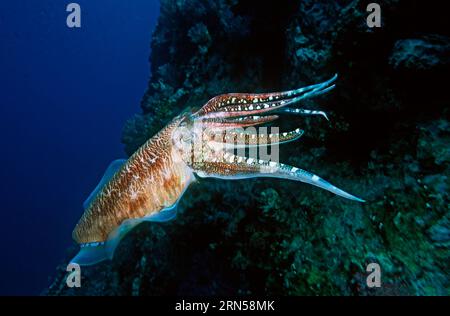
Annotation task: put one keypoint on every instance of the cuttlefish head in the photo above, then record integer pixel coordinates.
(206, 140)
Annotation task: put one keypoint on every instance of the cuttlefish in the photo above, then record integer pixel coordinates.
(196, 144)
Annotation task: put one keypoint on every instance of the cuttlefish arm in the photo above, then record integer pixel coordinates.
(242, 108)
(244, 104)
(235, 167)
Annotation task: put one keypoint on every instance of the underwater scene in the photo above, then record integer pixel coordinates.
(225, 148)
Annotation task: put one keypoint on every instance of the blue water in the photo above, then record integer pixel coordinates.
(65, 95)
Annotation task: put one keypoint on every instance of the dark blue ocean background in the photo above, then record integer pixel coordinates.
(65, 96)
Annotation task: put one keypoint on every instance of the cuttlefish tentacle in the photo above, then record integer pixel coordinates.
(237, 122)
(304, 112)
(260, 108)
(239, 139)
(238, 104)
(235, 167)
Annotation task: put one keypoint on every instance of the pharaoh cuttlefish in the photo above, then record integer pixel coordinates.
(148, 186)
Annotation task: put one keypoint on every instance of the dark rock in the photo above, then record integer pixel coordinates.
(440, 232)
(421, 53)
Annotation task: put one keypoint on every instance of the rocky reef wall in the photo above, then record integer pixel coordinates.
(387, 141)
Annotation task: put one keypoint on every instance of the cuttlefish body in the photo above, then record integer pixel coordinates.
(149, 185)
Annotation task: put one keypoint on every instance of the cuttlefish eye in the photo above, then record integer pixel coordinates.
(186, 137)
(183, 134)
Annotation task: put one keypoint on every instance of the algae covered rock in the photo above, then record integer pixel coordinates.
(423, 53)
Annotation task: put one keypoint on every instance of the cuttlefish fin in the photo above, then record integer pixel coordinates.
(95, 252)
(113, 167)
(92, 253)
(164, 215)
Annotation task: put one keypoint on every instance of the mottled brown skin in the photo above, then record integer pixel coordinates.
(152, 179)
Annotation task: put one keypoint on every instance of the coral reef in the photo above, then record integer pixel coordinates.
(388, 141)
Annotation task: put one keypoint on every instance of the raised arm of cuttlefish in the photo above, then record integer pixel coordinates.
(149, 185)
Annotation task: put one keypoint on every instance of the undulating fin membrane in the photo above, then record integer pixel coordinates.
(165, 215)
(109, 173)
(92, 253)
